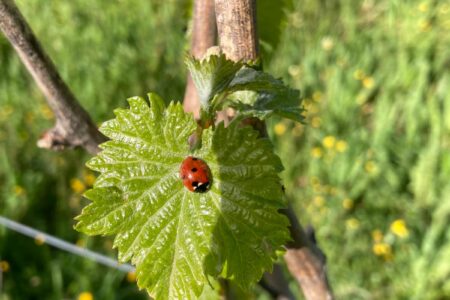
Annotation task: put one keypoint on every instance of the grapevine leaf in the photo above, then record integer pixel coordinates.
(266, 104)
(259, 94)
(176, 238)
(247, 196)
(211, 75)
(254, 80)
(252, 92)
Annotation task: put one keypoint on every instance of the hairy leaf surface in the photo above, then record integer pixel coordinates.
(252, 92)
(211, 75)
(177, 238)
(259, 94)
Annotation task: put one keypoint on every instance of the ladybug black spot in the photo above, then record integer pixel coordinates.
(194, 170)
(195, 183)
(202, 187)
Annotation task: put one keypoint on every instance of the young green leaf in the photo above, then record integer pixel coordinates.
(262, 105)
(211, 75)
(259, 94)
(223, 83)
(177, 238)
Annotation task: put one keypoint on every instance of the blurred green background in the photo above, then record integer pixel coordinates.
(370, 170)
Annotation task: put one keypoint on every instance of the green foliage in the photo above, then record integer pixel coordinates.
(212, 75)
(105, 53)
(222, 83)
(271, 20)
(396, 163)
(173, 236)
(375, 150)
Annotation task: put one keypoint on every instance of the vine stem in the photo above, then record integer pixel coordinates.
(73, 126)
(204, 35)
(236, 24)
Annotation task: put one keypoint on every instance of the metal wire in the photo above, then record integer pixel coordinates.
(65, 246)
(1, 280)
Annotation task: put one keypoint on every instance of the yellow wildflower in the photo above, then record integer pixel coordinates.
(347, 203)
(77, 186)
(89, 179)
(280, 129)
(39, 239)
(370, 167)
(398, 227)
(317, 96)
(424, 25)
(319, 201)
(131, 276)
(294, 70)
(382, 249)
(317, 152)
(4, 266)
(315, 122)
(327, 43)
(358, 74)
(341, 146)
(423, 7)
(18, 190)
(329, 141)
(85, 296)
(368, 82)
(352, 223)
(377, 236)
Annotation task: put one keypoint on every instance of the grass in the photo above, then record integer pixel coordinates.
(370, 170)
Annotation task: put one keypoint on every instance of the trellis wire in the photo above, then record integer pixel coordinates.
(65, 246)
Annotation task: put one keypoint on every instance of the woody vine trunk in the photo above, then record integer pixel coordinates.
(236, 24)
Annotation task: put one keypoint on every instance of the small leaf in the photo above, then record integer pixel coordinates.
(223, 83)
(177, 238)
(254, 80)
(255, 93)
(211, 75)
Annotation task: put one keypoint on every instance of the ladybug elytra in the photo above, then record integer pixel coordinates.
(195, 174)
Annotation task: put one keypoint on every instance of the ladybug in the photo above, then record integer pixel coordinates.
(195, 174)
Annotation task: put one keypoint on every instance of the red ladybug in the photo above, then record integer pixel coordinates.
(195, 174)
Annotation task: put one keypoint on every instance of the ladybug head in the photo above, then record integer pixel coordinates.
(200, 187)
